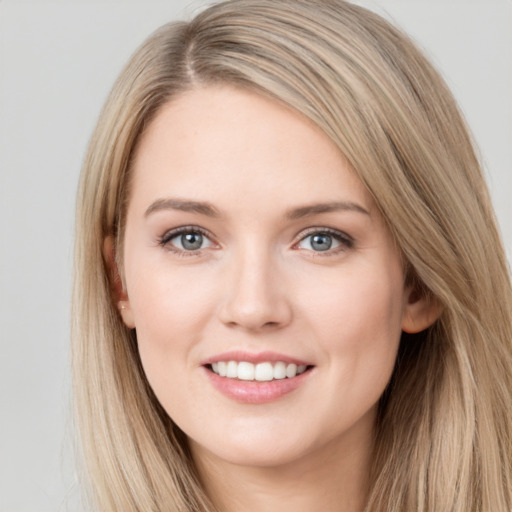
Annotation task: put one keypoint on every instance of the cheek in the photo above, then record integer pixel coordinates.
(171, 308)
(357, 327)
(165, 298)
(369, 299)
(358, 323)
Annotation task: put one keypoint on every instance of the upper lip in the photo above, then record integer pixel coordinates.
(255, 358)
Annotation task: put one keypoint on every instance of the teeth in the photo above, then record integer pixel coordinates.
(280, 370)
(267, 371)
(291, 370)
(232, 371)
(264, 371)
(245, 370)
(222, 367)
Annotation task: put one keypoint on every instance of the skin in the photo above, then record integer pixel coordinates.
(258, 284)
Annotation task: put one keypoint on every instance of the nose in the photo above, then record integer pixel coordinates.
(256, 297)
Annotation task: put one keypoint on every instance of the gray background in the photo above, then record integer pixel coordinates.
(57, 63)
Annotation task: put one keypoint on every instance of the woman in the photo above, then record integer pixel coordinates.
(290, 290)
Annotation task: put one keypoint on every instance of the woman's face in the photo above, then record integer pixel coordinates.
(252, 248)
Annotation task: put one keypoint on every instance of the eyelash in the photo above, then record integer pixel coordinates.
(345, 241)
(165, 239)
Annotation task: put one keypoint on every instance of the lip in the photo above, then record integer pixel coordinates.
(255, 392)
(255, 358)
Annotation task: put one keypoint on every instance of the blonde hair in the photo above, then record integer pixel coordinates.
(443, 440)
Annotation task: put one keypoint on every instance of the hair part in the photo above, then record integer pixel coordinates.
(443, 439)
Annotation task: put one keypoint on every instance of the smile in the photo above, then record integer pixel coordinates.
(262, 372)
(256, 378)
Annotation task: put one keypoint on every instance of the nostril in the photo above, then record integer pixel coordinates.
(255, 306)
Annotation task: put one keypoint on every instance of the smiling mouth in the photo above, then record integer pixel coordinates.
(260, 372)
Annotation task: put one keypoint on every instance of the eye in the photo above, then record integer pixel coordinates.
(186, 240)
(324, 241)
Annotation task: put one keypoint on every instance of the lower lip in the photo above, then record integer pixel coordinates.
(255, 392)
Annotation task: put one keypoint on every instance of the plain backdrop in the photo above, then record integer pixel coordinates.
(57, 63)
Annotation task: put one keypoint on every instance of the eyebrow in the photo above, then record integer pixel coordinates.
(207, 209)
(183, 205)
(335, 206)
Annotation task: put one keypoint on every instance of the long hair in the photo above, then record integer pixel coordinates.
(443, 439)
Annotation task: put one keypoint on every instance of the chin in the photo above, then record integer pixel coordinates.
(252, 448)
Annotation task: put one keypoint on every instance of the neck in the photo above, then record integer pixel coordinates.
(332, 479)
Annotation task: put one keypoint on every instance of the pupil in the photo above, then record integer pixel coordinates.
(192, 241)
(321, 242)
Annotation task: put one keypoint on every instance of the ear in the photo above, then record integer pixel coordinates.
(421, 309)
(119, 295)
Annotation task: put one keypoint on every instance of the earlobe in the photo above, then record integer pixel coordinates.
(421, 310)
(119, 295)
(126, 313)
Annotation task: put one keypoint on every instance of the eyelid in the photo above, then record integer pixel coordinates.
(164, 239)
(346, 240)
(171, 233)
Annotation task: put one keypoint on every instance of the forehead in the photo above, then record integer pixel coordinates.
(226, 143)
